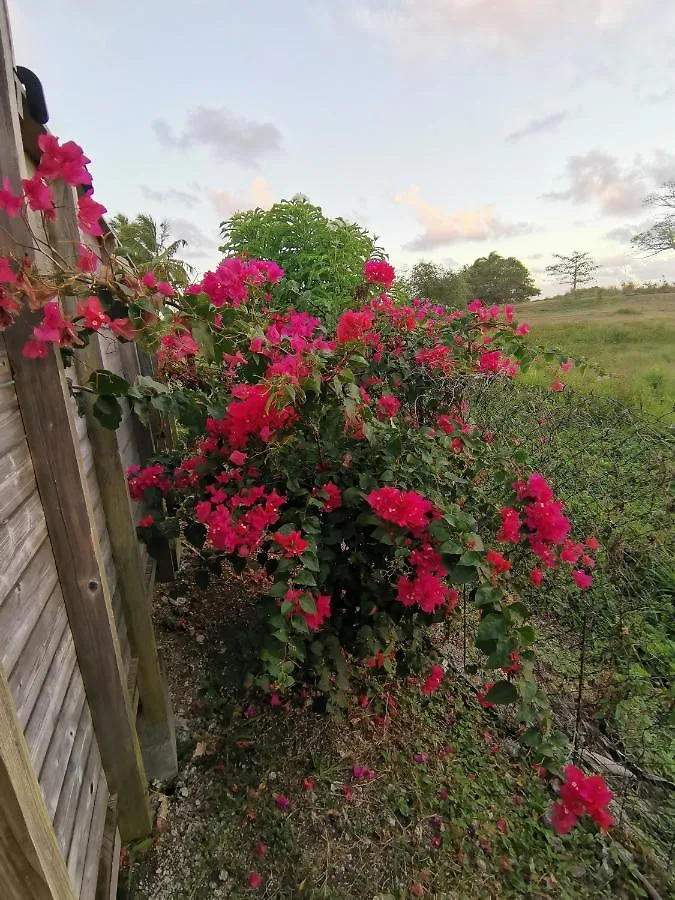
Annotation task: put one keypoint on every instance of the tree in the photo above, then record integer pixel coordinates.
(573, 270)
(435, 282)
(495, 279)
(146, 244)
(323, 258)
(661, 235)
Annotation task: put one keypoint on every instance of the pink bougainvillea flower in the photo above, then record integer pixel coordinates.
(9, 202)
(87, 260)
(89, 213)
(123, 328)
(536, 576)
(387, 406)
(146, 522)
(254, 880)
(581, 794)
(250, 711)
(581, 579)
(164, 288)
(346, 792)
(421, 758)
(433, 680)
(557, 385)
(34, 349)
(592, 543)
(293, 543)
(7, 273)
(93, 313)
(566, 366)
(407, 509)
(281, 801)
(9, 310)
(55, 328)
(353, 326)
(260, 848)
(39, 196)
(237, 458)
(436, 841)
(443, 794)
(66, 161)
(363, 773)
(522, 329)
(481, 696)
(502, 825)
(308, 785)
(378, 271)
(275, 701)
(497, 561)
(149, 279)
(511, 525)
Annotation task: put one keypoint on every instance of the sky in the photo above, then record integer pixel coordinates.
(448, 128)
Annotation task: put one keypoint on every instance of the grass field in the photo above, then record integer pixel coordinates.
(630, 336)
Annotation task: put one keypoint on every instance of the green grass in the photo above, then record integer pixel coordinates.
(631, 337)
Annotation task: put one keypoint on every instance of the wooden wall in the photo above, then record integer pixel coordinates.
(37, 653)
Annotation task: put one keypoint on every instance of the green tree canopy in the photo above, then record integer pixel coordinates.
(147, 245)
(496, 279)
(323, 258)
(435, 282)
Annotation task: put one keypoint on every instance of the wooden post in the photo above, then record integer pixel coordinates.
(31, 864)
(50, 430)
(156, 728)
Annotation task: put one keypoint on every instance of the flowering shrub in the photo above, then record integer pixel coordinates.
(342, 462)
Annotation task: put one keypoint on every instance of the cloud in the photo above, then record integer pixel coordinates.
(226, 134)
(599, 178)
(171, 195)
(420, 27)
(656, 97)
(537, 126)
(199, 244)
(623, 234)
(257, 195)
(441, 229)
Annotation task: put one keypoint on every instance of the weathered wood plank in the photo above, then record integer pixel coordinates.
(106, 887)
(11, 428)
(31, 865)
(20, 538)
(42, 723)
(23, 605)
(85, 807)
(95, 842)
(53, 770)
(29, 674)
(17, 480)
(66, 807)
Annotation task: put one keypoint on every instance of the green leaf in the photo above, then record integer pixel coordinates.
(451, 548)
(146, 384)
(300, 624)
(195, 534)
(286, 607)
(307, 604)
(278, 589)
(462, 575)
(491, 628)
(108, 411)
(531, 738)
(487, 597)
(104, 382)
(471, 558)
(502, 693)
(305, 577)
(310, 561)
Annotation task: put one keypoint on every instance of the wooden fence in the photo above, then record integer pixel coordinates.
(84, 714)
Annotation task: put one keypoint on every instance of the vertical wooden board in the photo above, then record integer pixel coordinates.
(17, 479)
(11, 426)
(53, 771)
(108, 870)
(95, 841)
(23, 605)
(43, 720)
(28, 675)
(77, 850)
(31, 865)
(70, 790)
(20, 538)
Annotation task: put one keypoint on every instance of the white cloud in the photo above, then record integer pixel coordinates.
(441, 229)
(257, 195)
(599, 178)
(416, 27)
(170, 195)
(226, 134)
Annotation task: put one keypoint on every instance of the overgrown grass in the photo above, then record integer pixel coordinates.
(452, 810)
(631, 337)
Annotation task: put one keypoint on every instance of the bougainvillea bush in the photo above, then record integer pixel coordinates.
(341, 465)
